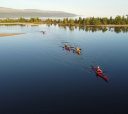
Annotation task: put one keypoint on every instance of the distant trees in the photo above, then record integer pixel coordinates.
(110, 21)
(34, 20)
(118, 20)
(87, 21)
(23, 20)
(94, 21)
(104, 21)
(65, 21)
(71, 21)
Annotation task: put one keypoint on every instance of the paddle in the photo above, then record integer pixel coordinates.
(64, 47)
(72, 47)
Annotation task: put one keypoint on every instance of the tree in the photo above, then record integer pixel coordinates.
(123, 21)
(71, 21)
(76, 21)
(67, 20)
(64, 21)
(95, 21)
(59, 21)
(83, 21)
(87, 21)
(117, 20)
(110, 21)
(32, 19)
(80, 20)
(105, 21)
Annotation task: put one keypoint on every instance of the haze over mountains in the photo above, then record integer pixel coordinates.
(16, 13)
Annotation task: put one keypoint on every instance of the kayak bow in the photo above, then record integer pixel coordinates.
(100, 74)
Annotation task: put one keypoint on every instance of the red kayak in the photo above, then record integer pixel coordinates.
(100, 74)
(68, 48)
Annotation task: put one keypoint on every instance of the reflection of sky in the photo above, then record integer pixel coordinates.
(82, 7)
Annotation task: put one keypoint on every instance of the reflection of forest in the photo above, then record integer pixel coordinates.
(95, 28)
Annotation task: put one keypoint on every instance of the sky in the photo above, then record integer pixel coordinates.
(87, 8)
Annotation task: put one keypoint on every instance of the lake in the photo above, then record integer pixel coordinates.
(37, 75)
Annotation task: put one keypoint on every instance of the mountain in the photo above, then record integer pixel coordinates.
(16, 13)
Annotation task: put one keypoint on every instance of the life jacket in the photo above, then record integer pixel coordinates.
(98, 69)
(77, 49)
(67, 45)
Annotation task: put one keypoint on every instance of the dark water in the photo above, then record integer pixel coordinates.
(38, 76)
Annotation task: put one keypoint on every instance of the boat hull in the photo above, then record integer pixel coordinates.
(100, 74)
(68, 48)
(78, 52)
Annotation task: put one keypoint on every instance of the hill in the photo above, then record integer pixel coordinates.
(16, 13)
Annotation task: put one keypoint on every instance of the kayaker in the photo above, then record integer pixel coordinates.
(77, 49)
(67, 45)
(98, 69)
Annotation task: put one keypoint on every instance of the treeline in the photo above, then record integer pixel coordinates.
(22, 20)
(90, 21)
(118, 20)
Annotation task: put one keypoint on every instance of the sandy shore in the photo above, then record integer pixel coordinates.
(10, 34)
(19, 24)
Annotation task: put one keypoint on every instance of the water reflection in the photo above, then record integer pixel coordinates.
(83, 28)
(94, 28)
(48, 25)
(104, 29)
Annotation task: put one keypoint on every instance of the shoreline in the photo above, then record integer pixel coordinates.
(96, 25)
(64, 24)
(109, 25)
(10, 34)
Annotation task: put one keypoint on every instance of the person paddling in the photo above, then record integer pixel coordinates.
(77, 50)
(67, 45)
(98, 69)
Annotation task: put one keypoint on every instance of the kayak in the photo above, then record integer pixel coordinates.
(78, 52)
(67, 48)
(100, 74)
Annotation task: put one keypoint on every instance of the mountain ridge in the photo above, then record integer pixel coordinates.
(10, 12)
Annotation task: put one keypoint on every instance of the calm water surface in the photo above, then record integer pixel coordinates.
(37, 75)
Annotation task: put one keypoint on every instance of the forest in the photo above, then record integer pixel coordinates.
(118, 20)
